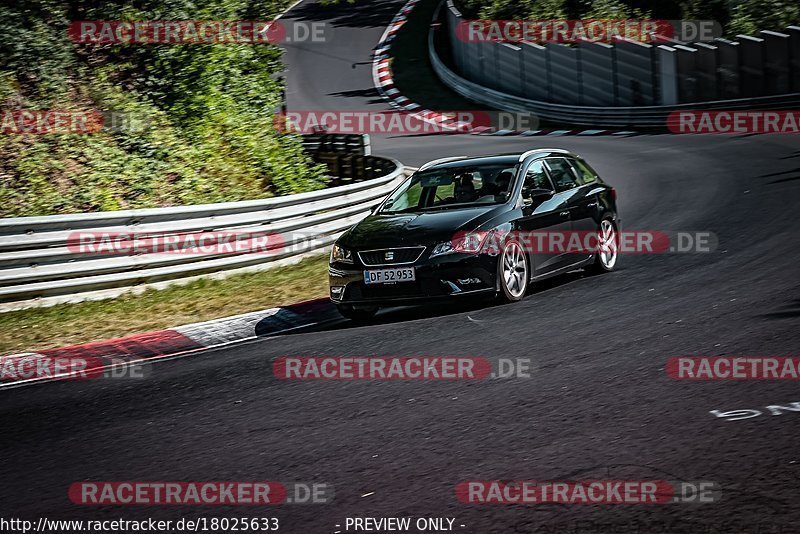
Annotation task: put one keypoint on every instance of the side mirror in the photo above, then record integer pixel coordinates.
(536, 196)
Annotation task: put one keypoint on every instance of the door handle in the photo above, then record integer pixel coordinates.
(591, 205)
(564, 214)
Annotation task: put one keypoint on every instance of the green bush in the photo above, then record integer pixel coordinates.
(753, 15)
(736, 16)
(203, 112)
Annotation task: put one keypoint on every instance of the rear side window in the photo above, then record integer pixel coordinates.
(562, 174)
(585, 174)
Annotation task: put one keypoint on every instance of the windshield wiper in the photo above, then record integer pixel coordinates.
(456, 206)
(404, 210)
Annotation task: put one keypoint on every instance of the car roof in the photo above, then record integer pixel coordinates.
(496, 159)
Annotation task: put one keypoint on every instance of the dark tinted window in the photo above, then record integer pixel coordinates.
(586, 174)
(452, 186)
(562, 174)
(536, 178)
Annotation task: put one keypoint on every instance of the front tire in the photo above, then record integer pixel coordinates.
(358, 315)
(512, 273)
(605, 259)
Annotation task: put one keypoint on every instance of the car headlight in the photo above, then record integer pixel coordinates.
(469, 243)
(341, 254)
(442, 248)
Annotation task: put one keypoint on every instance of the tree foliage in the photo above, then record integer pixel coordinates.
(204, 112)
(736, 16)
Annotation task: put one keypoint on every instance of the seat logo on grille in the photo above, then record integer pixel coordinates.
(388, 256)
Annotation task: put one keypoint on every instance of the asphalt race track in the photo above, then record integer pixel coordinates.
(598, 403)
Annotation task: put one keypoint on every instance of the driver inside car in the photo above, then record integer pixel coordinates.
(503, 181)
(464, 190)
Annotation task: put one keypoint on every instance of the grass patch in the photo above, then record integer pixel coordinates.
(201, 300)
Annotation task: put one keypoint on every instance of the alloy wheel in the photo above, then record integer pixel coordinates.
(515, 270)
(607, 253)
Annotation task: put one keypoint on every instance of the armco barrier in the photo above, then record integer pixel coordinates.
(622, 85)
(37, 267)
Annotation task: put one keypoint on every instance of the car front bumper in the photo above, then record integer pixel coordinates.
(442, 277)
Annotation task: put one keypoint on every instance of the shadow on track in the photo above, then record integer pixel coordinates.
(329, 319)
(791, 310)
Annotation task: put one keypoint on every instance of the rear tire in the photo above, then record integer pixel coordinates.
(357, 314)
(512, 273)
(605, 259)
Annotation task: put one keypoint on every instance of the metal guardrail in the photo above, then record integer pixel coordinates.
(606, 117)
(40, 263)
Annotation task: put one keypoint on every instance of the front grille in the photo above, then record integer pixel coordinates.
(420, 288)
(391, 256)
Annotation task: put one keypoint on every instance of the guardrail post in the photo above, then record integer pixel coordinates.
(509, 74)
(491, 70)
(537, 75)
(794, 62)
(729, 66)
(668, 75)
(776, 62)
(634, 62)
(597, 73)
(687, 73)
(563, 62)
(707, 84)
(752, 62)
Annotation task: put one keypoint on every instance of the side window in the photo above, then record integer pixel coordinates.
(444, 191)
(586, 174)
(563, 176)
(536, 177)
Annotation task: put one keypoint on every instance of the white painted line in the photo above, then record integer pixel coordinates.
(291, 7)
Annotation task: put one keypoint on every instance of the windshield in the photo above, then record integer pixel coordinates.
(452, 187)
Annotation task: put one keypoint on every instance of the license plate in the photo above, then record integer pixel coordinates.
(389, 276)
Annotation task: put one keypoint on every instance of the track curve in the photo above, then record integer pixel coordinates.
(598, 403)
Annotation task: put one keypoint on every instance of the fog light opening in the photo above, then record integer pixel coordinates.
(337, 292)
